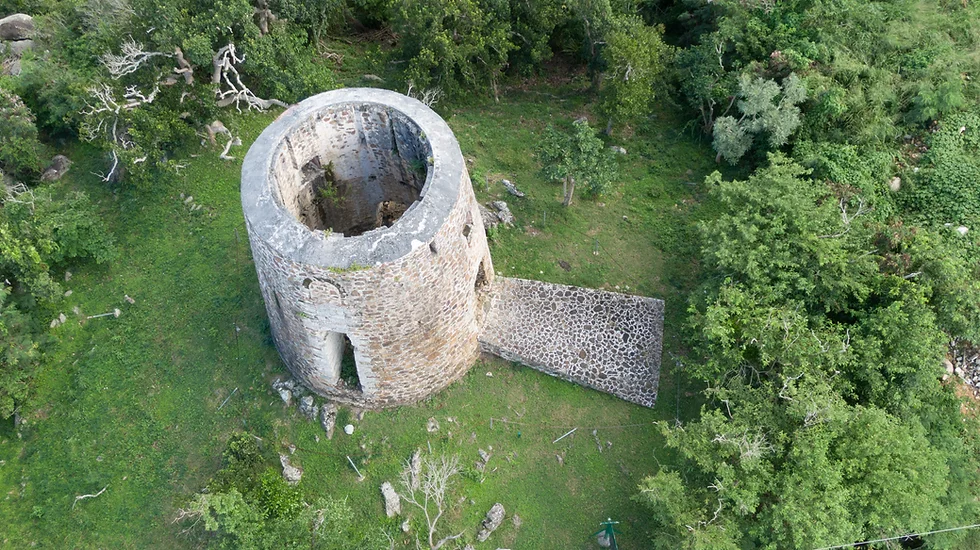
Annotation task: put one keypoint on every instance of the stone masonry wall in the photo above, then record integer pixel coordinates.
(412, 322)
(603, 340)
(404, 295)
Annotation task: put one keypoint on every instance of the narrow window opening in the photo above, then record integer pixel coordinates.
(348, 367)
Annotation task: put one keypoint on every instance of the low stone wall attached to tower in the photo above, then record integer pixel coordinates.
(603, 340)
(373, 262)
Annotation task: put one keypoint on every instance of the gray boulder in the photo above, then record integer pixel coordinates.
(393, 504)
(11, 67)
(18, 48)
(490, 523)
(290, 473)
(307, 408)
(328, 418)
(59, 167)
(503, 212)
(18, 26)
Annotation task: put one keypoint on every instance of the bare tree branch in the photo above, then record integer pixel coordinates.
(132, 57)
(231, 89)
(426, 488)
(83, 497)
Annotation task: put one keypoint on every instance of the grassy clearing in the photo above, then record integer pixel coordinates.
(132, 404)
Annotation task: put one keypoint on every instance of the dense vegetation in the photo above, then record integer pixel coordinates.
(823, 272)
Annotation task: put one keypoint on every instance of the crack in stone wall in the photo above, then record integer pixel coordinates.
(607, 341)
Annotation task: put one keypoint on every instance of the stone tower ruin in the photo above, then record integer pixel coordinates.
(373, 263)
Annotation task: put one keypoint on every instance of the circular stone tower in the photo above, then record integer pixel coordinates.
(369, 246)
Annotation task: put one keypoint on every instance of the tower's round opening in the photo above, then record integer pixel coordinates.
(351, 168)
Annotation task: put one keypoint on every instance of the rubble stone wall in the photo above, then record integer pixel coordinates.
(604, 340)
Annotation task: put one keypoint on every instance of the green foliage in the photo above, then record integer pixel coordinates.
(39, 231)
(253, 510)
(284, 64)
(458, 46)
(826, 419)
(853, 169)
(945, 190)
(19, 147)
(635, 57)
(277, 498)
(316, 16)
(577, 158)
(761, 113)
(19, 354)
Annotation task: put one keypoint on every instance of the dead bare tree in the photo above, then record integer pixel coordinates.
(103, 119)
(425, 484)
(18, 193)
(129, 61)
(183, 67)
(231, 89)
(428, 96)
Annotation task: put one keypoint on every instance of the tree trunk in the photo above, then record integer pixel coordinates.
(569, 189)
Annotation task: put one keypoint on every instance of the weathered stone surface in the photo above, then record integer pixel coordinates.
(307, 408)
(490, 523)
(328, 418)
(403, 295)
(489, 217)
(603, 340)
(18, 26)
(11, 67)
(503, 212)
(512, 189)
(618, 149)
(895, 184)
(59, 167)
(18, 48)
(393, 504)
(290, 473)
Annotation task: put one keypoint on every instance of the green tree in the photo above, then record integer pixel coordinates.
(761, 113)
(825, 420)
(19, 354)
(577, 158)
(454, 45)
(19, 146)
(636, 57)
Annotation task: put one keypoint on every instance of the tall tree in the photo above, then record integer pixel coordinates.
(636, 57)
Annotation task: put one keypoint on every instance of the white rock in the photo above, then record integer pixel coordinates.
(290, 473)
(393, 504)
(895, 184)
(962, 230)
(349, 429)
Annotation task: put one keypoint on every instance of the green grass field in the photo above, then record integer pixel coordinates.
(131, 404)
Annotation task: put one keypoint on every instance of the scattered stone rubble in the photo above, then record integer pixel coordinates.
(291, 391)
(503, 212)
(512, 189)
(965, 363)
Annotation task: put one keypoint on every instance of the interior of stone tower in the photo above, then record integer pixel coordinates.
(353, 169)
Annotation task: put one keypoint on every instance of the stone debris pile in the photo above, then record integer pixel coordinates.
(965, 363)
